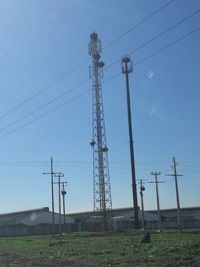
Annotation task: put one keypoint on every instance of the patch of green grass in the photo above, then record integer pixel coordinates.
(168, 248)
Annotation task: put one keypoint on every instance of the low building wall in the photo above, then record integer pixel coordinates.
(173, 224)
(40, 229)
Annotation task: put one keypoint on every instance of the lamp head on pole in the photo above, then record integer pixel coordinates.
(126, 64)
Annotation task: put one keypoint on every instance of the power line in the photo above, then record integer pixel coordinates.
(112, 77)
(42, 90)
(157, 52)
(45, 114)
(189, 163)
(60, 78)
(79, 161)
(114, 163)
(85, 162)
(167, 46)
(85, 81)
(156, 37)
(111, 65)
(43, 106)
(82, 164)
(138, 24)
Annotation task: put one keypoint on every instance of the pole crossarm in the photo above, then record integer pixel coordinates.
(174, 175)
(59, 174)
(54, 173)
(61, 182)
(158, 182)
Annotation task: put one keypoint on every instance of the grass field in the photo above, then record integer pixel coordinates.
(168, 248)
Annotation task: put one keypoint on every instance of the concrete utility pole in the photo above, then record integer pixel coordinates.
(142, 188)
(157, 196)
(52, 173)
(177, 193)
(127, 68)
(63, 196)
(59, 201)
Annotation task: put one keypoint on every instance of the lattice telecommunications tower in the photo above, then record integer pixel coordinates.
(101, 179)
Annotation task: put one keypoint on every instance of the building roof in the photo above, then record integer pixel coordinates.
(121, 211)
(25, 211)
(32, 217)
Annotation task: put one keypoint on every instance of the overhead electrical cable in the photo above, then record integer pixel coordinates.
(62, 77)
(42, 90)
(167, 46)
(43, 106)
(156, 37)
(139, 24)
(141, 165)
(112, 77)
(47, 113)
(111, 65)
(157, 52)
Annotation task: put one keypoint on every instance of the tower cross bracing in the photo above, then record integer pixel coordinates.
(101, 178)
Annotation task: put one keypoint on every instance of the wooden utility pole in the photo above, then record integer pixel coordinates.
(59, 201)
(52, 173)
(142, 188)
(155, 174)
(63, 195)
(175, 175)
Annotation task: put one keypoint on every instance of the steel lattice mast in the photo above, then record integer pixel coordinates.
(101, 178)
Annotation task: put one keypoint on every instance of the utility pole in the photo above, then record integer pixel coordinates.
(177, 193)
(142, 188)
(59, 201)
(127, 68)
(52, 173)
(63, 196)
(157, 196)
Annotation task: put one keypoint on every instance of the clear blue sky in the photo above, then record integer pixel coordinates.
(42, 40)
